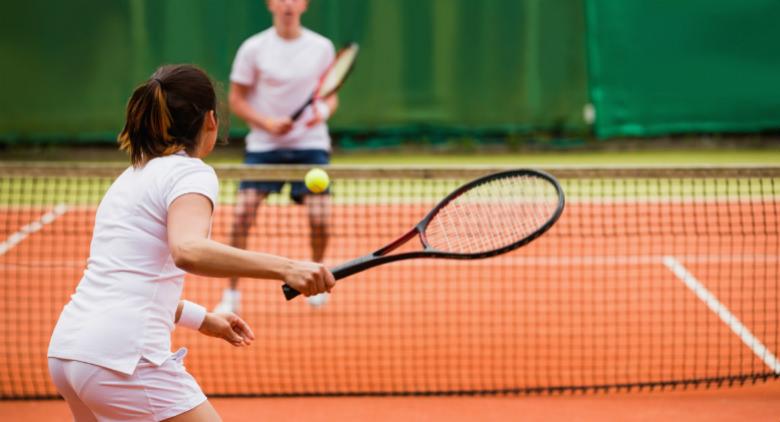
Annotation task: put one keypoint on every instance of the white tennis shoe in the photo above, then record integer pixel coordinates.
(231, 302)
(318, 300)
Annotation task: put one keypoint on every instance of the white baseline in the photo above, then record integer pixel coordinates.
(31, 228)
(723, 313)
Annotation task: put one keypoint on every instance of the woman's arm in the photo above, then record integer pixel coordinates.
(189, 220)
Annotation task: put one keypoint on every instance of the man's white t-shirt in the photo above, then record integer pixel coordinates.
(124, 306)
(282, 75)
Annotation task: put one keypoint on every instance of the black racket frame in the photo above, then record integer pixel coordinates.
(380, 256)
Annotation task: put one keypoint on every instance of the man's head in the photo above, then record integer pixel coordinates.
(287, 12)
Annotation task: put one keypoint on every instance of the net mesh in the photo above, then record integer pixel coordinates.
(651, 278)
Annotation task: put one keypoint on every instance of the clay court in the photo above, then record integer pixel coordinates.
(654, 308)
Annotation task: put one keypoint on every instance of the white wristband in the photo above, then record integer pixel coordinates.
(192, 315)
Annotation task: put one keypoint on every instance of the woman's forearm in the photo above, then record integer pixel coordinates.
(189, 219)
(213, 259)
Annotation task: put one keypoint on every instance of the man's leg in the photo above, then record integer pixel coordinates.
(244, 216)
(318, 207)
(319, 215)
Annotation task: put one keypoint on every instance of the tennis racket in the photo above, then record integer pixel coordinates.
(486, 217)
(333, 78)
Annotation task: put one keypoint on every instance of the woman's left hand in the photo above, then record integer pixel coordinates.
(229, 327)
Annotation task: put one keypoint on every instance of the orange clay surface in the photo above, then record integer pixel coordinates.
(593, 310)
(759, 402)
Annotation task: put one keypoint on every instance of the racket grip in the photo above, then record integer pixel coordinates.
(295, 116)
(344, 270)
(289, 292)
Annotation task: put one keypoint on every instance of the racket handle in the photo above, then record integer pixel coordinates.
(289, 292)
(295, 116)
(351, 267)
(340, 271)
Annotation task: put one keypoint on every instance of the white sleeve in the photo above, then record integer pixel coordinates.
(194, 179)
(244, 71)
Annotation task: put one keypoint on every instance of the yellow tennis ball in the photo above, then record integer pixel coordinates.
(317, 180)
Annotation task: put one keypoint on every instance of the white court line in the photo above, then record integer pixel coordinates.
(723, 313)
(31, 228)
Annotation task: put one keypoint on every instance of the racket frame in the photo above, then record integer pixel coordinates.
(380, 256)
(315, 95)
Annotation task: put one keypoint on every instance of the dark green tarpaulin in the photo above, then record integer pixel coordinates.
(505, 65)
(662, 67)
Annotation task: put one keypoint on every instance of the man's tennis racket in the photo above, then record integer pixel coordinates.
(485, 217)
(333, 78)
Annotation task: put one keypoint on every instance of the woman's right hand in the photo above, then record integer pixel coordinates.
(277, 127)
(309, 278)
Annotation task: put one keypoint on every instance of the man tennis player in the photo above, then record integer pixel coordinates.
(110, 352)
(274, 72)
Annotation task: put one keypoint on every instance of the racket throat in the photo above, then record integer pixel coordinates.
(397, 243)
(377, 258)
(295, 116)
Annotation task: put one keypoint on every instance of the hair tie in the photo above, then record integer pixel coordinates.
(158, 81)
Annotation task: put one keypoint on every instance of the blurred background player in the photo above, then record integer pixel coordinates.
(273, 73)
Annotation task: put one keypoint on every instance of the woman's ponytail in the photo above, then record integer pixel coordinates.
(165, 114)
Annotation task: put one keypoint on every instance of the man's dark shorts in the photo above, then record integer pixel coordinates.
(284, 156)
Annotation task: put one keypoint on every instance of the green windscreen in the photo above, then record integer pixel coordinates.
(668, 66)
(505, 65)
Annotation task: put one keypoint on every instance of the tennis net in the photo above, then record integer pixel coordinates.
(652, 278)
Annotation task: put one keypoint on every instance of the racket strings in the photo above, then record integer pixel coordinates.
(338, 71)
(493, 215)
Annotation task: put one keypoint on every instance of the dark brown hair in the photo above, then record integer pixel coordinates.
(165, 114)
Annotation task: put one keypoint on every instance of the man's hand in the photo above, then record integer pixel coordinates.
(277, 127)
(323, 108)
(317, 116)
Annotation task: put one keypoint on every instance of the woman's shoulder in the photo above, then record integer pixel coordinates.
(193, 164)
(180, 164)
(176, 174)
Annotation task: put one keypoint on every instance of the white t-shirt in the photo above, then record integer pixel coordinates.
(124, 306)
(283, 74)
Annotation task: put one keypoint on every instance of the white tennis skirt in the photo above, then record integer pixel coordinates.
(152, 393)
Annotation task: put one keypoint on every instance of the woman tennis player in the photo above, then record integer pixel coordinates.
(110, 353)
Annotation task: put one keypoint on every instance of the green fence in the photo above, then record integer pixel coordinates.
(439, 65)
(441, 68)
(667, 66)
